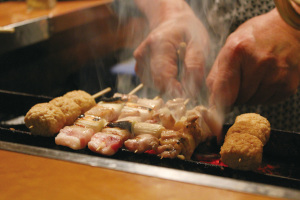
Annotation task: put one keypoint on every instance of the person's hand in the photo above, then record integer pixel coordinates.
(157, 59)
(259, 63)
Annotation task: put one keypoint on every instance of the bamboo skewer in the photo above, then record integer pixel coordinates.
(186, 102)
(156, 97)
(181, 51)
(140, 86)
(102, 92)
(181, 54)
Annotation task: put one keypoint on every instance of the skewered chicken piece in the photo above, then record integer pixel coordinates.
(108, 141)
(70, 135)
(85, 121)
(107, 111)
(186, 135)
(96, 119)
(74, 137)
(138, 136)
(171, 112)
(170, 145)
(153, 104)
(78, 135)
(142, 143)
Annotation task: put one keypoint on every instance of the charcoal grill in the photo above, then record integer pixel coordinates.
(279, 175)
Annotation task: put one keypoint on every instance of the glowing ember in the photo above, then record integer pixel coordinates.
(151, 152)
(268, 169)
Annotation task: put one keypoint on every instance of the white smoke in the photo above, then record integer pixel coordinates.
(216, 15)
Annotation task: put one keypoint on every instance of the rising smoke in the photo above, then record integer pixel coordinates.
(216, 15)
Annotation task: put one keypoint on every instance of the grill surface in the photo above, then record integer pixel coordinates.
(280, 160)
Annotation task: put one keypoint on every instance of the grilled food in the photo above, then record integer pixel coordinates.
(82, 98)
(242, 151)
(108, 141)
(68, 106)
(168, 129)
(45, 119)
(142, 143)
(244, 141)
(259, 123)
(74, 137)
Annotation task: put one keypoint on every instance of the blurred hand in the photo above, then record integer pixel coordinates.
(259, 63)
(157, 59)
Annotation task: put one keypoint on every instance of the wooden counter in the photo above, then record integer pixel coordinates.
(16, 11)
(74, 36)
(30, 177)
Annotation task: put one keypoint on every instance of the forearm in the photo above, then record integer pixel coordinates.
(157, 11)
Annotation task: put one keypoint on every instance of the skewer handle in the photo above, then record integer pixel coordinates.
(181, 51)
(181, 54)
(102, 92)
(136, 89)
(186, 101)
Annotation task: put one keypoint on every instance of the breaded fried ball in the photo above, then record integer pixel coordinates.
(45, 119)
(68, 106)
(242, 151)
(82, 98)
(262, 132)
(260, 122)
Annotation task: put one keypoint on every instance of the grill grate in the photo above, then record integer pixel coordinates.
(280, 167)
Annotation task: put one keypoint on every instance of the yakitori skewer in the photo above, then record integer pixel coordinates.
(46, 119)
(140, 86)
(92, 126)
(102, 92)
(180, 56)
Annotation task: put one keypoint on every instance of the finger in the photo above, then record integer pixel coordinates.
(164, 71)
(193, 74)
(142, 57)
(224, 78)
